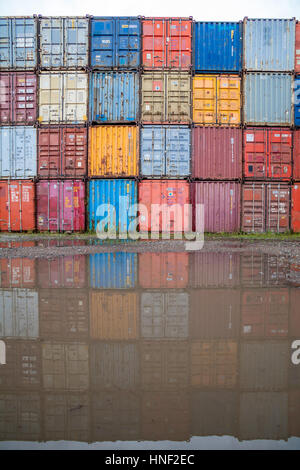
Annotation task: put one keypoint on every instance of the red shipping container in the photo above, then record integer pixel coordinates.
(60, 205)
(17, 205)
(216, 153)
(168, 193)
(297, 47)
(18, 104)
(296, 155)
(17, 272)
(167, 43)
(221, 202)
(296, 208)
(260, 269)
(267, 153)
(214, 269)
(163, 270)
(62, 151)
(64, 271)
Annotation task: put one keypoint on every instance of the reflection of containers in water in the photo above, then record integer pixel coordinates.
(20, 416)
(268, 99)
(114, 366)
(264, 365)
(221, 204)
(114, 97)
(216, 153)
(63, 42)
(164, 365)
(116, 415)
(214, 413)
(18, 152)
(265, 207)
(165, 416)
(263, 415)
(60, 205)
(169, 195)
(63, 271)
(214, 269)
(73, 324)
(63, 97)
(114, 315)
(113, 270)
(165, 151)
(217, 100)
(164, 315)
(66, 416)
(269, 44)
(259, 269)
(214, 314)
(18, 272)
(167, 43)
(62, 151)
(166, 97)
(294, 413)
(293, 345)
(296, 155)
(163, 270)
(265, 313)
(294, 313)
(113, 151)
(19, 313)
(18, 98)
(65, 366)
(17, 205)
(120, 195)
(268, 153)
(214, 364)
(22, 369)
(217, 46)
(115, 42)
(18, 43)
(295, 220)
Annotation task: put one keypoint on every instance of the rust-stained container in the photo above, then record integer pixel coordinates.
(216, 153)
(73, 325)
(62, 151)
(18, 272)
(260, 269)
(265, 313)
(167, 43)
(17, 206)
(114, 315)
(163, 270)
(214, 269)
(164, 365)
(214, 364)
(113, 151)
(267, 153)
(295, 219)
(116, 415)
(20, 416)
(63, 271)
(264, 365)
(65, 366)
(296, 154)
(66, 417)
(165, 416)
(217, 100)
(221, 201)
(22, 369)
(214, 314)
(115, 365)
(18, 98)
(60, 205)
(164, 194)
(294, 313)
(294, 410)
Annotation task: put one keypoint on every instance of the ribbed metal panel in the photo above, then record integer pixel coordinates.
(113, 270)
(18, 43)
(18, 158)
(19, 313)
(297, 100)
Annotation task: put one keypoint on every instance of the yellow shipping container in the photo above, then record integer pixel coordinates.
(217, 100)
(113, 151)
(114, 316)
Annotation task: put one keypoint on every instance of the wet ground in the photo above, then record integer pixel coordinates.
(147, 345)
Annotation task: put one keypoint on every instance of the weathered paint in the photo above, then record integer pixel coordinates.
(297, 100)
(164, 270)
(113, 270)
(295, 192)
(18, 39)
(62, 272)
(296, 155)
(18, 98)
(297, 47)
(17, 206)
(19, 313)
(18, 152)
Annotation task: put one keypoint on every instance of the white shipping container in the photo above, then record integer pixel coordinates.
(19, 313)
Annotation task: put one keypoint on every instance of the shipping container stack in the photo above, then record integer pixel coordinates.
(295, 212)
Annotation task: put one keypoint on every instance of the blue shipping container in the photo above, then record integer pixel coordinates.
(114, 97)
(18, 152)
(113, 270)
(110, 192)
(165, 151)
(115, 42)
(297, 100)
(217, 46)
(18, 43)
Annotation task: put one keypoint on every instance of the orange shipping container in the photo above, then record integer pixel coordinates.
(17, 205)
(114, 316)
(113, 151)
(158, 270)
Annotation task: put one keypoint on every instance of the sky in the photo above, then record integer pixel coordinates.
(216, 10)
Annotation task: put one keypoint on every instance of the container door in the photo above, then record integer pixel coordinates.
(103, 43)
(49, 148)
(255, 145)
(27, 205)
(297, 100)
(6, 154)
(66, 215)
(296, 154)
(75, 98)
(15, 206)
(229, 100)
(177, 152)
(4, 208)
(128, 38)
(76, 42)
(125, 97)
(297, 48)
(205, 99)
(253, 212)
(6, 95)
(153, 151)
(178, 97)
(50, 98)
(179, 43)
(25, 152)
(154, 43)
(78, 205)
(5, 45)
(74, 151)
(296, 208)
(153, 97)
(24, 43)
(25, 104)
(280, 154)
(278, 210)
(51, 37)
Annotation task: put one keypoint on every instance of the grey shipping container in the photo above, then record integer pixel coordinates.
(18, 43)
(18, 152)
(20, 416)
(19, 313)
(269, 44)
(268, 99)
